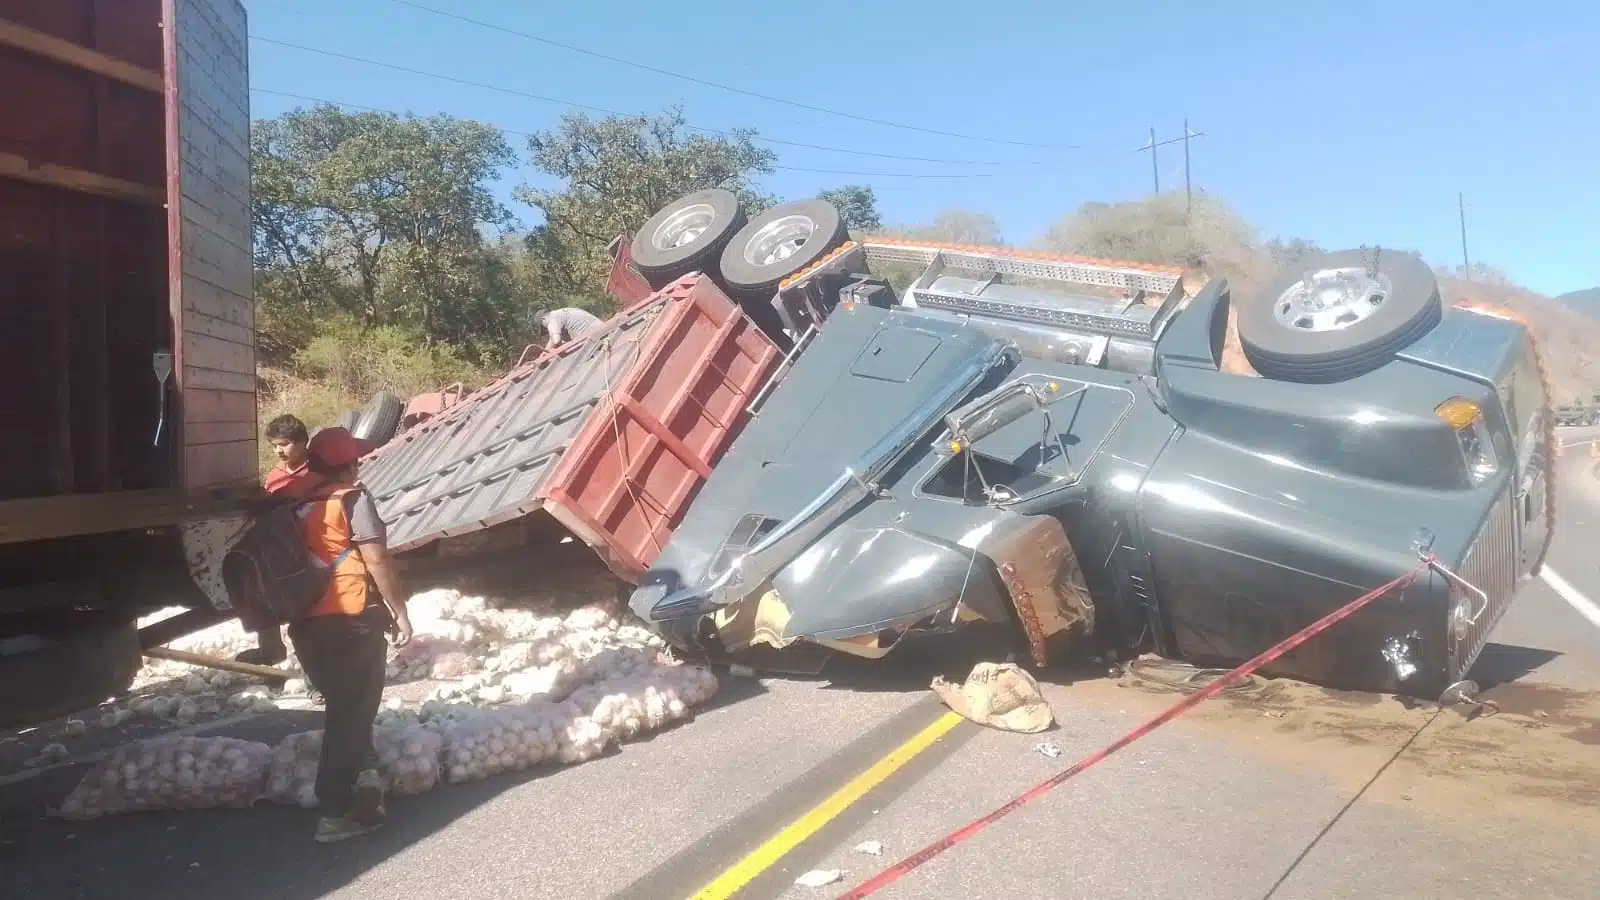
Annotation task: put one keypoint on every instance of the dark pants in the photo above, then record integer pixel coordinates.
(344, 657)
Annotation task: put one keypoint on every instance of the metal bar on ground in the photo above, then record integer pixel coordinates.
(212, 662)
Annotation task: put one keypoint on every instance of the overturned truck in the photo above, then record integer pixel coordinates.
(1053, 445)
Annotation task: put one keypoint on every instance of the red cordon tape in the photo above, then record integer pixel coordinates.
(926, 854)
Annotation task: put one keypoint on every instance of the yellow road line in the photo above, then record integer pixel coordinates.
(763, 857)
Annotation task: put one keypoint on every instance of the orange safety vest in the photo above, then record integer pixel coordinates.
(325, 529)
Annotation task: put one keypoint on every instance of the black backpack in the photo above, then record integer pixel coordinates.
(271, 577)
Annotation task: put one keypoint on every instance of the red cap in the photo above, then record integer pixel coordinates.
(335, 447)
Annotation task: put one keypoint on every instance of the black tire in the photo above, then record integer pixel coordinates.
(67, 671)
(1287, 348)
(656, 250)
(348, 419)
(380, 419)
(748, 266)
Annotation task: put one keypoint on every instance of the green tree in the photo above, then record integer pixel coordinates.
(616, 172)
(379, 216)
(857, 205)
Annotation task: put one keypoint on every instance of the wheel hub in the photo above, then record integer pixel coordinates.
(683, 227)
(778, 240)
(1331, 299)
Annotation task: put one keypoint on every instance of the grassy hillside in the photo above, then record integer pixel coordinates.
(1585, 301)
(1570, 339)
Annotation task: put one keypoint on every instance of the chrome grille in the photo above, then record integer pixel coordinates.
(1490, 566)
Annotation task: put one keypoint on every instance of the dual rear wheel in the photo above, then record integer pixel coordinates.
(707, 231)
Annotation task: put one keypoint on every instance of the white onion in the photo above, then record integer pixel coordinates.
(115, 718)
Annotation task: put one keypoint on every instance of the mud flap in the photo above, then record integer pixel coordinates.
(206, 543)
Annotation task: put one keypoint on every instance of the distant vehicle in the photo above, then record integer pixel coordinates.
(1579, 413)
(1049, 444)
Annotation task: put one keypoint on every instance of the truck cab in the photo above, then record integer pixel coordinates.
(1081, 470)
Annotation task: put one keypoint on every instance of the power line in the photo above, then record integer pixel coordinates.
(612, 112)
(379, 109)
(725, 87)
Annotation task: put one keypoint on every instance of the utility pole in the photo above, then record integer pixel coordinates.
(1461, 208)
(1188, 185)
(1155, 170)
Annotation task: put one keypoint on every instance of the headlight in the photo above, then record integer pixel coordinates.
(1465, 418)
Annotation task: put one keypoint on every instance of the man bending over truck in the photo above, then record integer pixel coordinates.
(340, 640)
(568, 324)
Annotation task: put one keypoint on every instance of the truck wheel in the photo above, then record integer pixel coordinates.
(1339, 316)
(778, 243)
(686, 235)
(348, 419)
(47, 675)
(380, 419)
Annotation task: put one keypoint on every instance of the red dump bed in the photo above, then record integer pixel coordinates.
(611, 435)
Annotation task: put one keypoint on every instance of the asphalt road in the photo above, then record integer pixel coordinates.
(1306, 794)
(1565, 644)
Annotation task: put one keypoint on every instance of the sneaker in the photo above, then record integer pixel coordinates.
(367, 805)
(332, 829)
(263, 656)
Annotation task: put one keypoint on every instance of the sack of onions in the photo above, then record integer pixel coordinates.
(171, 773)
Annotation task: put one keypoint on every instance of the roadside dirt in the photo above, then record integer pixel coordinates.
(1537, 758)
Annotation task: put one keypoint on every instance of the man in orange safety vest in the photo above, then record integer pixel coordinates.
(340, 641)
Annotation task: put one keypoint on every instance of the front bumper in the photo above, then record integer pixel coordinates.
(860, 589)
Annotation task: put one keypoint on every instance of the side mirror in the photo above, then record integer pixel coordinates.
(1006, 404)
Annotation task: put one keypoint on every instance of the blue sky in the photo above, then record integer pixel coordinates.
(1348, 123)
